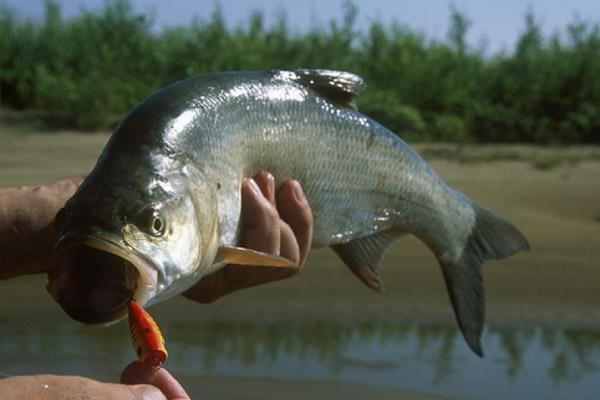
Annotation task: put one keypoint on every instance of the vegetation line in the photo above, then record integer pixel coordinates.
(87, 71)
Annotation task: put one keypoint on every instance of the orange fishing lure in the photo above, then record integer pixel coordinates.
(147, 339)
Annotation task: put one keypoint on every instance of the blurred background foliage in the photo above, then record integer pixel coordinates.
(88, 71)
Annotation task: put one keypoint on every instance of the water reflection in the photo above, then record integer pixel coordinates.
(573, 353)
(518, 363)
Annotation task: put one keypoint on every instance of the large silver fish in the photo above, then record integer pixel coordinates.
(161, 209)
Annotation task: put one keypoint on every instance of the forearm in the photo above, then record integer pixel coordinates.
(27, 235)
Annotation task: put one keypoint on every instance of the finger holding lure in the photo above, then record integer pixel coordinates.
(147, 338)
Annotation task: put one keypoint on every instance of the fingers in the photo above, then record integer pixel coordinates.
(272, 222)
(53, 387)
(262, 227)
(288, 246)
(136, 373)
(266, 183)
(260, 219)
(294, 210)
(283, 226)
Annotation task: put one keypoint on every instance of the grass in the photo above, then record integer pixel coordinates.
(33, 153)
(540, 157)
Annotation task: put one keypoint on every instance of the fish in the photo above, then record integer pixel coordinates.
(161, 208)
(147, 339)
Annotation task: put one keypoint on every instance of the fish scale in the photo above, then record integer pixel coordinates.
(344, 173)
(184, 152)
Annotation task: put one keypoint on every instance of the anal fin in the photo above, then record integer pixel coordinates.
(364, 254)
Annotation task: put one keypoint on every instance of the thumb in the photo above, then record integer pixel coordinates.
(147, 392)
(136, 373)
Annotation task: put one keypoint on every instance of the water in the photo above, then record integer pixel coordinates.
(523, 363)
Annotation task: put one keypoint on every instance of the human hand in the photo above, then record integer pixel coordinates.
(280, 224)
(137, 383)
(27, 234)
(138, 374)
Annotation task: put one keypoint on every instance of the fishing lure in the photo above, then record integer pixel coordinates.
(147, 339)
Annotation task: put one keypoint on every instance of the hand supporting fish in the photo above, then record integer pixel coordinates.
(162, 207)
(274, 222)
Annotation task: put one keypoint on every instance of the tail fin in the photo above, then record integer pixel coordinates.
(492, 237)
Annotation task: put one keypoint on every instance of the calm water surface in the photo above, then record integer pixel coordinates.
(530, 363)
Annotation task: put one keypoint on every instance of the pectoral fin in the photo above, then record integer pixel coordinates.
(243, 256)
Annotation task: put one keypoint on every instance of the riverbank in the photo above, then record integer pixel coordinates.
(554, 285)
(556, 208)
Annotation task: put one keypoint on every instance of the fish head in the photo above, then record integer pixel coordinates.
(122, 241)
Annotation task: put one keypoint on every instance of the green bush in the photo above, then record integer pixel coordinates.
(449, 128)
(88, 71)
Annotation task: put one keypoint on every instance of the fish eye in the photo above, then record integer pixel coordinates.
(158, 224)
(152, 221)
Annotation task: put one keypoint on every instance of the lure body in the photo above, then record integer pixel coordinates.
(147, 338)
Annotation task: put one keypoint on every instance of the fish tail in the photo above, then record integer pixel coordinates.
(491, 237)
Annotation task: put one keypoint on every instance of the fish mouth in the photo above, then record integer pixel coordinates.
(97, 277)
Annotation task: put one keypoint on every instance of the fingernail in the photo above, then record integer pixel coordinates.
(270, 186)
(299, 194)
(149, 392)
(254, 186)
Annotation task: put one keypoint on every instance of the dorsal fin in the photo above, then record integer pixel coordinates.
(339, 87)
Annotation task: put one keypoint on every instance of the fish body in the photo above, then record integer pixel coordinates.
(165, 193)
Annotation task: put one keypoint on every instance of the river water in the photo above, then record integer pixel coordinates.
(533, 363)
